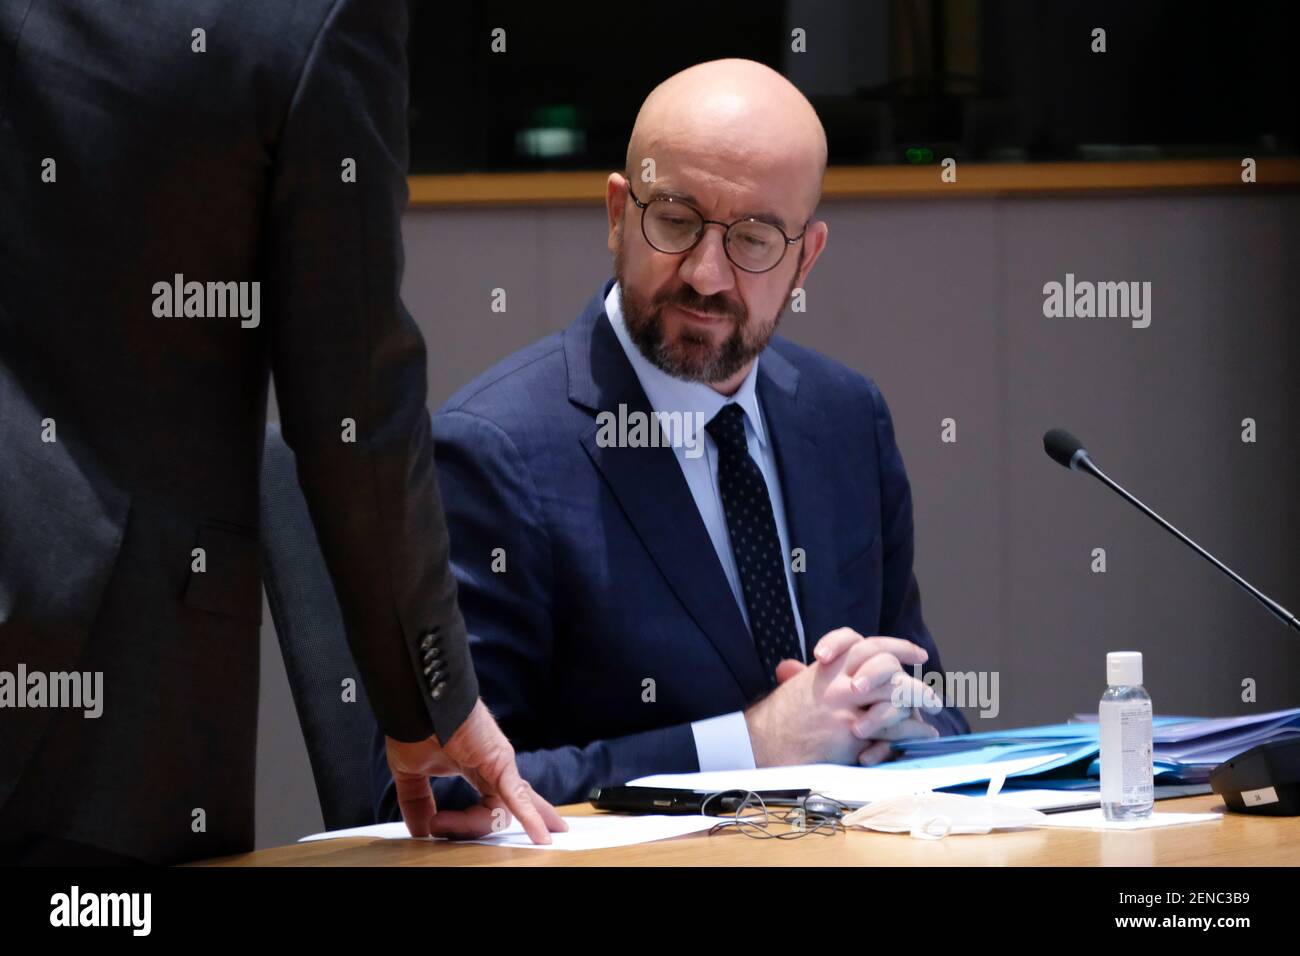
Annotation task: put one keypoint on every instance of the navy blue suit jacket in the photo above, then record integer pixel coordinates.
(609, 575)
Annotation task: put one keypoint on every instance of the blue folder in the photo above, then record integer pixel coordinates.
(1186, 749)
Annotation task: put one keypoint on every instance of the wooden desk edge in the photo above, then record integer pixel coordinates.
(891, 182)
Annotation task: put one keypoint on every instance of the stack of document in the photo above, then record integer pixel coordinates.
(1042, 768)
(1186, 749)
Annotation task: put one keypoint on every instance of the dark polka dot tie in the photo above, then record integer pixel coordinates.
(754, 542)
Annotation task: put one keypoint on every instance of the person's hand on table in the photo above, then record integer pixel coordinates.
(824, 712)
(480, 753)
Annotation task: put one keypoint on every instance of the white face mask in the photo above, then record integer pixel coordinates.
(932, 816)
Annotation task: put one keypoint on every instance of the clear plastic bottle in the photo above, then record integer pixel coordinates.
(1124, 716)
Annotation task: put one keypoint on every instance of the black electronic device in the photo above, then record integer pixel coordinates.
(667, 800)
(1264, 779)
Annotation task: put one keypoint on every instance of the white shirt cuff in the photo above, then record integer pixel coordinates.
(722, 743)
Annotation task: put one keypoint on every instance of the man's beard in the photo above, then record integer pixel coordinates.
(692, 356)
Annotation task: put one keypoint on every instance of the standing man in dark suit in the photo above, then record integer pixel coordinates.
(194, 195)
(737, 588)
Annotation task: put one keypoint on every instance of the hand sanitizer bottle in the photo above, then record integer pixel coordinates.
(1124, 715)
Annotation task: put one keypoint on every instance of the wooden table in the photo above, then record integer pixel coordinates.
(1236, 840)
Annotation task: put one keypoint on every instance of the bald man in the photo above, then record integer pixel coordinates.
(681, 542)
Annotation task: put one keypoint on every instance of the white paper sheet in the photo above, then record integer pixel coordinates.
(1045, 799)
(585, 833)
(379, 831)
(851, 785)
(1095, 820)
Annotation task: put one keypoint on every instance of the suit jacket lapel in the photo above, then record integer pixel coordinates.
(653, 493)
(793, 425)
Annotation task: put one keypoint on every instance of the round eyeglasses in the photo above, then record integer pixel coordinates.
(673, 226)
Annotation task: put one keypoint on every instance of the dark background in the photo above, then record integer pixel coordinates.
(978, 80)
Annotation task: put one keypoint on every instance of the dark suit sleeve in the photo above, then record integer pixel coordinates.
(900, 613)
(504, 565)
(345, 354)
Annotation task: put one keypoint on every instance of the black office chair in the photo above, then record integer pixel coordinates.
(309, 625)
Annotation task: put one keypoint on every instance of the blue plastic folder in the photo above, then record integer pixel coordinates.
(1186, 749)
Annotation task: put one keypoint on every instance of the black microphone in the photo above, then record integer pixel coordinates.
(1066, 450)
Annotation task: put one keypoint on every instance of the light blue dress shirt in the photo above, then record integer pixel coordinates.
(721, 743)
